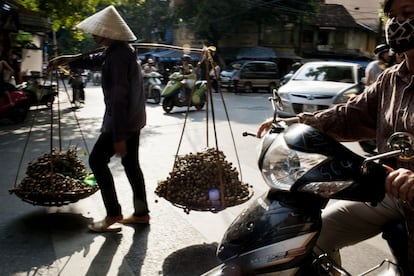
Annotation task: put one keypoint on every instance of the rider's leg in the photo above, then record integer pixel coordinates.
(345, 223)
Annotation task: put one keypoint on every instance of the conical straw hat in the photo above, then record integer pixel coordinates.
(107, 23)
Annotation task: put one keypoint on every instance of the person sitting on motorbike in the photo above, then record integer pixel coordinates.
(148, 68)
(186, 69)
(385, 107)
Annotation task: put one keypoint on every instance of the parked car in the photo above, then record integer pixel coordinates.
(319, 85)
(251, 75)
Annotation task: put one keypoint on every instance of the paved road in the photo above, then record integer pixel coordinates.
(36, 240)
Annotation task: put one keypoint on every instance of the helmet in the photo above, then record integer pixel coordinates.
(382, 48)
(150, 61)
(186, 57)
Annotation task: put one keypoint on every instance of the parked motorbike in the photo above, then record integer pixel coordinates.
(304, 169)
(153, 86)
(16, 112)
(174, 94)
(38, 91)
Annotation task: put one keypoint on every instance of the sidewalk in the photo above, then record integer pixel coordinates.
(38, 240)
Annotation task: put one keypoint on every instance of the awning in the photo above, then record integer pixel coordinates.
(170, 55)
(256, 53)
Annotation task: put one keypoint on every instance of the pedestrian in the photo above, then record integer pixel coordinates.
(376, 67)
(236, 78)
(215, 72)
(125, 115)
(78, 86)
(385, 107)
(6, 77)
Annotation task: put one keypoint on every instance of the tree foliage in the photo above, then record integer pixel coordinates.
(148, 19)
(212, 19)
(64, 14)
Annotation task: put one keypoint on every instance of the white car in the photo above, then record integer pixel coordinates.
(319, 85)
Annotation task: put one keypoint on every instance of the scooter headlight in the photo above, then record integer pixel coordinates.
(282, 166)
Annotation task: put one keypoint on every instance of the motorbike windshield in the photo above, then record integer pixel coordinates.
(282, 166)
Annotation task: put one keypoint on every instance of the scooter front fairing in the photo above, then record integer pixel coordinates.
(275, 233)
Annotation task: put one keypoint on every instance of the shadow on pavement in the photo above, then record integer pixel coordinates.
(134, 258)
(192, 260)
(26, 240)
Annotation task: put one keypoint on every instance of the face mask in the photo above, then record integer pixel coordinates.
(400, 35)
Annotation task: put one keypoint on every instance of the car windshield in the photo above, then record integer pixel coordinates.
(326, 73)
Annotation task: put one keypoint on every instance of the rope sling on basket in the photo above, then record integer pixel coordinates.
(58, 177)
(205, 181)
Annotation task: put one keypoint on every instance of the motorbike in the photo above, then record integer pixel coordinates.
(16, 112)
(78, 84)
(304, 169)
(97, 78)
(152, 86)
(38, 91)
(193, 94)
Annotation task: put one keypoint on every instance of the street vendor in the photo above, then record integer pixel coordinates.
(125, 115)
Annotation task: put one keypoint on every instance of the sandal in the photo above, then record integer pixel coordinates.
(136, 219)
(106, 225)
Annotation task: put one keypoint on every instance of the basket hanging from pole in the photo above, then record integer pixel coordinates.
(58, 177)
(205, 181)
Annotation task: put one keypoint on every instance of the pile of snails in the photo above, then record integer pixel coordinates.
(55, 172)
(204, 181)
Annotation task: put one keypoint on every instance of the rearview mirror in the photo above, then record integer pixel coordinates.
(404, 142)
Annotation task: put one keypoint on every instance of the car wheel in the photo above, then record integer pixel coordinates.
(248, 87)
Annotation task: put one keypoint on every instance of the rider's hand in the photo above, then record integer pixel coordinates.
(266, 125)
(400, 184)
(120, 149)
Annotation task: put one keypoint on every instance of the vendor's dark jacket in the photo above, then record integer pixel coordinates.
(122, 85)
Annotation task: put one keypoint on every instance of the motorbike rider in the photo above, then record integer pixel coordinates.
(385, 107)
(148, 68)
(186, 69)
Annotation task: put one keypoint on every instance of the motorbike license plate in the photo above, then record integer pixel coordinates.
(310, 108)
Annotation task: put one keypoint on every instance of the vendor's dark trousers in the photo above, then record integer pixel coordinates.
(99, 159)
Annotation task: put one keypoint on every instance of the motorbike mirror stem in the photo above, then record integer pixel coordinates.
(400, 144)
(394, 153)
